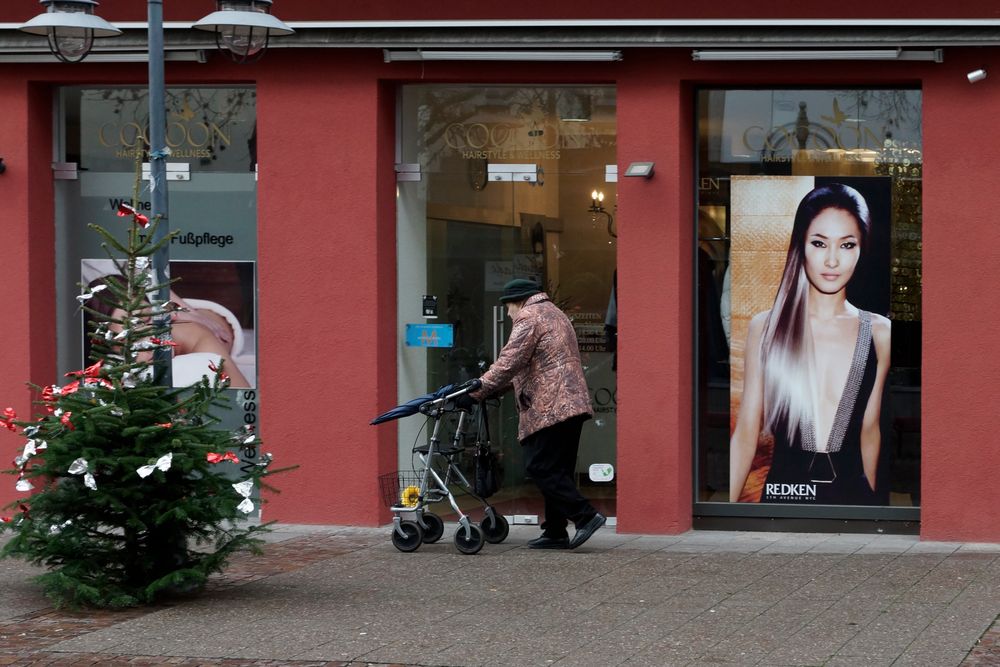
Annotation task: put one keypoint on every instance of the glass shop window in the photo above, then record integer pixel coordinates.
(808, 279)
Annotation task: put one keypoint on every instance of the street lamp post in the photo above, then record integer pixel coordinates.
(242, 29)
(158, 199)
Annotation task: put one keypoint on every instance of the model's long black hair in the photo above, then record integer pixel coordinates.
(786, 347)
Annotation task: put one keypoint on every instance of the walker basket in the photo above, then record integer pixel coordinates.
(400, 489)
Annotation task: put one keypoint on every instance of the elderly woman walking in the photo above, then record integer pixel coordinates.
(541, 360)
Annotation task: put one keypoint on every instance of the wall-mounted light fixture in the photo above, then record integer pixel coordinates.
(597, 208)
(243, 28)
(70, 26)
(976, 75)
(640, 169)
(934, 55)
(551, 55)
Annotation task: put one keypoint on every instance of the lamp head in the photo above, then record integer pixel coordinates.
(243, 28)
(70, 26)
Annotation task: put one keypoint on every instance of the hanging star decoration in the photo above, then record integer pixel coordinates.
(7, 421)
(162, 463)
(223, 378)
(245, 488)
(30, 449)
(163, 342)
(55, 530)
(87, 296)
(64, 419)
(245, 436)
(125, 210)
(81, 467)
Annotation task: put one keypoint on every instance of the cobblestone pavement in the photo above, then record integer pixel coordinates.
(345, 597)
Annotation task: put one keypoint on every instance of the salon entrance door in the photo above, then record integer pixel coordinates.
(496, 183)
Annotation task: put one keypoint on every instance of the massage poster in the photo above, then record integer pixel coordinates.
(809, 304)
(215, 321)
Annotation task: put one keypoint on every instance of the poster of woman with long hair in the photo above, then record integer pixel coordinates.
(811, 340)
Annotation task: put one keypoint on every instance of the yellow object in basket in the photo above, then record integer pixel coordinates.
(410, 496)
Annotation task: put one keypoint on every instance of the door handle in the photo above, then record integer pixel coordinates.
(498, 322)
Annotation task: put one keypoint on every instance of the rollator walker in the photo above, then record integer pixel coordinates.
(409, 494)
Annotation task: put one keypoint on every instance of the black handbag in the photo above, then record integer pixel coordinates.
(487, 467)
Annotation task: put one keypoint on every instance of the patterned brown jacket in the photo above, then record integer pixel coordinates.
(542, 361)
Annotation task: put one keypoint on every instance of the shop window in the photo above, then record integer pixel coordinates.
(211, 132)
(808, 279)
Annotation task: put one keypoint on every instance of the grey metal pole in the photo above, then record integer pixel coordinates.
(158, 176)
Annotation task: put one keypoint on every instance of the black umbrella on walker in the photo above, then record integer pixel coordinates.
(412, 406)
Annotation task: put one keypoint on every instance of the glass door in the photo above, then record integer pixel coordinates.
(496, 183)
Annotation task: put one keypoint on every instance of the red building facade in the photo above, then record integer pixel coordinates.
(332, 122)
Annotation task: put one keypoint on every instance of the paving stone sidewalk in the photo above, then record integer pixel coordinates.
(338, 596)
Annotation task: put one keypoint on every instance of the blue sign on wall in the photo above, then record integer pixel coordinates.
(429, 335)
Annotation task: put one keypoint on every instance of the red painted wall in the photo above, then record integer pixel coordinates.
(27, 336)
(961, 244)
(654, 298)
(327, 278)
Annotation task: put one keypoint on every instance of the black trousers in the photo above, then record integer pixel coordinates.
(550, 461)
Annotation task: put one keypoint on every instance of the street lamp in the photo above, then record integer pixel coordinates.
(242, 29)
(71, 27)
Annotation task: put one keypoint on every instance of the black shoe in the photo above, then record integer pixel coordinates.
(584, 532)
(546, 542)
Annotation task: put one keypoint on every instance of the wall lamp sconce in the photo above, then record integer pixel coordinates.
(976, 75)
(3, 167)
(551, 55)
(70, 26)
(242, 28)
(641, 169)
(935, 55)
(597, 208)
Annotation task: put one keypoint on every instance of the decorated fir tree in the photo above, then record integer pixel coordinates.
(123, 500)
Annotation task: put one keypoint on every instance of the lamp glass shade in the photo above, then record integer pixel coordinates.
(71, 44)
(243, 40)
(242, 27)
(70, 27)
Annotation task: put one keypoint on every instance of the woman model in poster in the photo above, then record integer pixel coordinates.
(815, 366)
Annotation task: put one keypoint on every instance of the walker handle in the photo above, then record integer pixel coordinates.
(464, 388)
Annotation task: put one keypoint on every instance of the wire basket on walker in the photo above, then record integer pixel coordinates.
(409, 494)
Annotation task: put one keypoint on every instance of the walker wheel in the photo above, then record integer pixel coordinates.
(469, 541)
(495, 528)
(433, 527)
(414, 536)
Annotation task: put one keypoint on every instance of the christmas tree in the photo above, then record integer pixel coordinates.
(123, 501)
